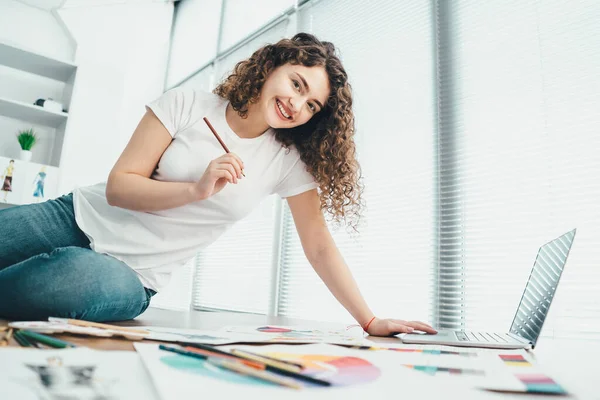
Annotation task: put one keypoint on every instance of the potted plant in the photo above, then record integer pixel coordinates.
(27, 139)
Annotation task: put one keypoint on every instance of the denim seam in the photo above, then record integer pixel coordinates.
(101, 308)
(56, 250)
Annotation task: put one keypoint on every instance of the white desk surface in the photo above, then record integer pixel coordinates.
(573, 364)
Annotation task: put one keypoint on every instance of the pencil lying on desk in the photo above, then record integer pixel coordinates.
(80, 322)
(256, 373)
(300, 366)
(47, 340)
(266, 360)
(268, 366)
(23, 341)
(233, 364)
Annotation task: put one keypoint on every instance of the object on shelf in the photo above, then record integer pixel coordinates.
(49, 104)
(7, 180)
(27, 139)
(26, 183)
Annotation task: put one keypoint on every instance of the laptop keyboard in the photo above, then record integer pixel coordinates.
(468, 336)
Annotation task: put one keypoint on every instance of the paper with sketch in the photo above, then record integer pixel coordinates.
(303, 335)
(353, 373)
(78, 373)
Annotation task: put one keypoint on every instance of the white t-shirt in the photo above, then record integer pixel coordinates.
(155, 243)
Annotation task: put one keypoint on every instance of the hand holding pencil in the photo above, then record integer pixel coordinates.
(228, 168)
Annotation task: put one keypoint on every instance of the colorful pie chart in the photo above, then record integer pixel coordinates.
(339, 370)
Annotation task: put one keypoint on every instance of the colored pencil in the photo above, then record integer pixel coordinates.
(47, 340)
(271, 368)
(202, 354)
(211, 349)
(80, 322)
(255, 373)
(234, 364)
(224, 356)
(23, 342)
(301, 366)
(218, 138)
(267, 361)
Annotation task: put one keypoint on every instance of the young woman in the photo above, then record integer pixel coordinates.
(286, 116)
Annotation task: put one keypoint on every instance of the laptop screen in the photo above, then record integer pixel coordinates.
(541, 286)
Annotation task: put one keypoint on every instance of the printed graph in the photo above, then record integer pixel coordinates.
(339, 370)
(434, 370)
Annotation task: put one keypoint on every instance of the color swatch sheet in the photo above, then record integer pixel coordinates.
(491, 369)
(353, 373)
(524, 376)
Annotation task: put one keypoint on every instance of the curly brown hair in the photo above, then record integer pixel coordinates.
(326, 142)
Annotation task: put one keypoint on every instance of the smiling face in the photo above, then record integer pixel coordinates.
(293, 94)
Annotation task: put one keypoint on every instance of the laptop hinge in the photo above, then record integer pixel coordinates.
(520, 338)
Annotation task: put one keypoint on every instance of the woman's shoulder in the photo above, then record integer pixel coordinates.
(191, 94)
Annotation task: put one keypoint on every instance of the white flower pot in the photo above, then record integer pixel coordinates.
(25, 155)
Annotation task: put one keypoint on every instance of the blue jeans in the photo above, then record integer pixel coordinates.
(47, 269)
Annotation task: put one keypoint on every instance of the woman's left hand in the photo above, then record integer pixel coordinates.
(390, 327)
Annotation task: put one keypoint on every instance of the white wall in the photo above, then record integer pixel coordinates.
(122, 51)
(122, 56)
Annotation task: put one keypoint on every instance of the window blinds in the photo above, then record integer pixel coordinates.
(519, 101)
(389, 57)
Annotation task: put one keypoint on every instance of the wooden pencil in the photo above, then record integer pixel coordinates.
(267, 361)
(255, 373)
(237, 365)
(277, 370)
(80, 322)
(218, 138)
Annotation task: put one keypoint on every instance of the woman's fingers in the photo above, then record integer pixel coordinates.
(235, 161)
(418, 325)
(239, 160)
(397, 327)
(230, 168)
(223, 173)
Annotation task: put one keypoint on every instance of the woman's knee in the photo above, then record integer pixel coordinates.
(72, 282)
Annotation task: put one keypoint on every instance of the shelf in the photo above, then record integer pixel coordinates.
(35, 63)
(30, 113)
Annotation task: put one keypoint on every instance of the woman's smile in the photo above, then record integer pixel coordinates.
(282, 111)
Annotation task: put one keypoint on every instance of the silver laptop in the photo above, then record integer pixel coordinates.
(531, 312)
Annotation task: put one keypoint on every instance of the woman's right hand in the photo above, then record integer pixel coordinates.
(225, 169)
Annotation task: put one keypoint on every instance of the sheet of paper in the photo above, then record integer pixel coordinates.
(492, 369)
(60, 326)
(78, 373)
(200, 336)
(288, 334)
(354, 374)
(257, 334)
